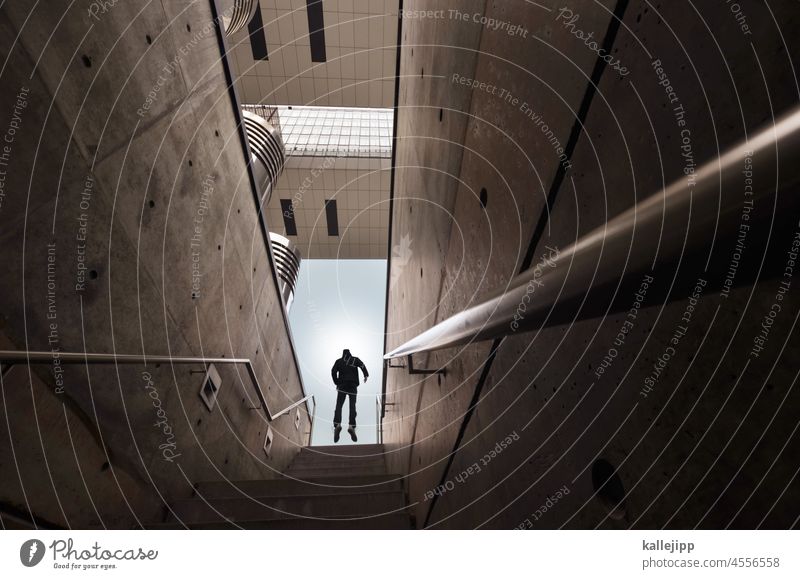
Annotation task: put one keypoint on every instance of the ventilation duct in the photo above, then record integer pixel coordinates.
(268, 153)
(236, 14)
(287, 266)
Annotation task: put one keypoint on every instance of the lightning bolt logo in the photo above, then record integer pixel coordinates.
(31, 553)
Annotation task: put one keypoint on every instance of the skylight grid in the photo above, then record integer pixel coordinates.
(336, 131)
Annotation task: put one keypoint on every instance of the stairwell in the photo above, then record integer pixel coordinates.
(325, 487)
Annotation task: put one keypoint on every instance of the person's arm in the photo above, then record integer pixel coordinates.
(335, 373)
(363, 369)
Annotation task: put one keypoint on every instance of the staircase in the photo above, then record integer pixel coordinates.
(325, 487)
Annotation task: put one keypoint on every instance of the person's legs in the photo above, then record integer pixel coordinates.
(337, 415)
(352, 396)
(352, 428)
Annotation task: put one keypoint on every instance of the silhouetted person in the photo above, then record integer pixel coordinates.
(345, 376)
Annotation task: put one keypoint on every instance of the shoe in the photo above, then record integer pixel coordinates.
(352, 431)
(337, 430)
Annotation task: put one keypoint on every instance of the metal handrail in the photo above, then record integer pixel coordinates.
(9, 358)
(551, 294)
(290, 407)
(313, 420)
(378, 421)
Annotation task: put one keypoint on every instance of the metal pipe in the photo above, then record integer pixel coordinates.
(11, 357)
(679, 222)
(290, 407)
(21, 356)
(379, 413)
(313, 419)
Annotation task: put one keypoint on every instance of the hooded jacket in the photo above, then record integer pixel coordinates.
(345, 370)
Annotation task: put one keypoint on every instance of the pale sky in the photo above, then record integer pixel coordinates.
(340, 304)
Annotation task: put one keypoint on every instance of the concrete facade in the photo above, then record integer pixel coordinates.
(713, 444)
(360, 188)
(129, 226)
(360, 47)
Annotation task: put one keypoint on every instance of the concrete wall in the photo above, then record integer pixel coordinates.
(712, 444)
(126, 138)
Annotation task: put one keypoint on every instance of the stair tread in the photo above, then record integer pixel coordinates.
(390, 521)
(324, 487)
(367, 479)
(344, 480)
(323, 471)
(307, 486)
(326, 506)
(346, 450)
(321, 495)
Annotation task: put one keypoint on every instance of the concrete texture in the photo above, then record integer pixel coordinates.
(360, 187)
(513, 141)
(324, 487)
(129, 163)
(714, 443)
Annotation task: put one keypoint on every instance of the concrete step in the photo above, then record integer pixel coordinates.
(385, 522)
(284, 486)
(351, 462)
(345, 449)
(331, 506)
(313, 471)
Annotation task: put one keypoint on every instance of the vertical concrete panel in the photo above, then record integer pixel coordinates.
(167, 188)
(714, 415)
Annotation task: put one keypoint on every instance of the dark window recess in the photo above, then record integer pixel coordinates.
(287, 209)
(258, 37)
(333, 218)
(316, 30)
